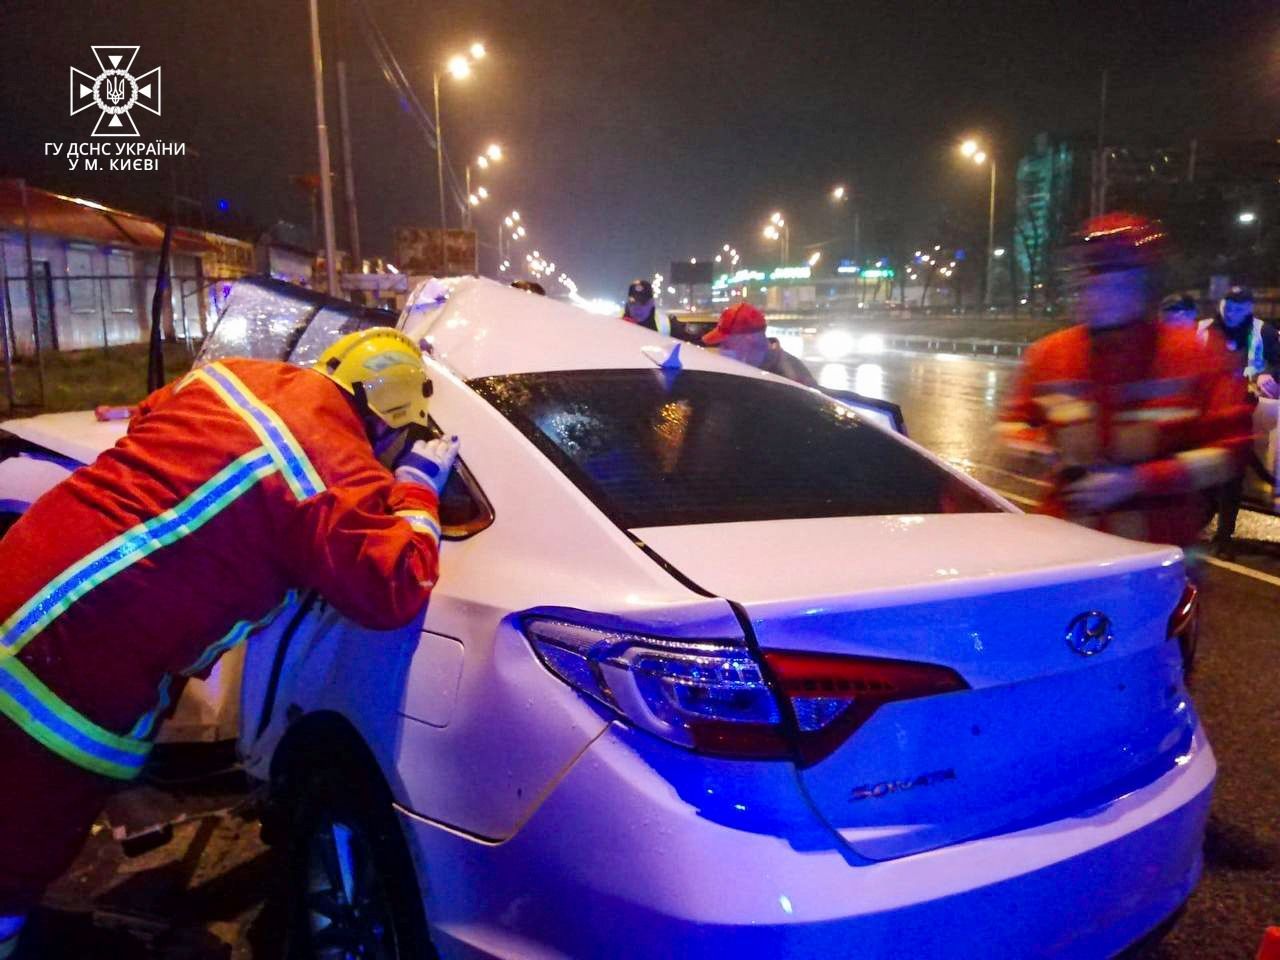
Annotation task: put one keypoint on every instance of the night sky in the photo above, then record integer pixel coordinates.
(639, 132)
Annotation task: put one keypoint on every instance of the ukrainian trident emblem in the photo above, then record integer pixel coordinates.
(115, 91)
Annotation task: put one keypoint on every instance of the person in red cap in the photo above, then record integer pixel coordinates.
(1140, 421)
(740, 335)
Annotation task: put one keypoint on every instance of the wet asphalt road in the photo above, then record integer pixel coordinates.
(949, 404)
(212, 892)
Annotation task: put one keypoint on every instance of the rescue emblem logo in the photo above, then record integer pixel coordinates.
(115, 91)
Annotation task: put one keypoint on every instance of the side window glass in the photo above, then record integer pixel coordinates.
(464, 509)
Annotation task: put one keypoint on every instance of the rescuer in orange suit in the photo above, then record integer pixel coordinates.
(1140, 421)
(236, 488)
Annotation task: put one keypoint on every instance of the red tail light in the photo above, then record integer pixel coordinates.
(1184, 626)
(831, 696)
(713, 696)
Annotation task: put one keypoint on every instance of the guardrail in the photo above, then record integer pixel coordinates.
(976, 346)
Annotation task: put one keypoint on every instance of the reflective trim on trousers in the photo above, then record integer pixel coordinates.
(135, 544)
(146, 724)
(35, 708)
(271, 430)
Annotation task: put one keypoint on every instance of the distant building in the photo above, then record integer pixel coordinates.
(93, 272)
(1200, 189)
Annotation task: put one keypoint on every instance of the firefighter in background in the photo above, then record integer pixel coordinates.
(237, 488)
(1140, 421)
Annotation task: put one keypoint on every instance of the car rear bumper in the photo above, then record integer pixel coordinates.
(625, 857)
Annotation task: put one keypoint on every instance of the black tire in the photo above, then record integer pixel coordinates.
(353, 892)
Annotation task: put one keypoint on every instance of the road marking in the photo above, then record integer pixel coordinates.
(966, 464)
(1244, 571)
(1239, 568)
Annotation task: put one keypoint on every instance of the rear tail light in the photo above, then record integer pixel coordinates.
(832, 696)
(1184, 626)
(713, 696)
(706, 695)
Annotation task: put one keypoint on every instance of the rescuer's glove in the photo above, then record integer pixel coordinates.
(428, 462)
(1101, 489)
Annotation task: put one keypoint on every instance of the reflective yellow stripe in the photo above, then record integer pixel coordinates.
(30, 704)
(422, 521)
(135, 544)
(301, 476)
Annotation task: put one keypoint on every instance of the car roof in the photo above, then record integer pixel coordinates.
(481, 328)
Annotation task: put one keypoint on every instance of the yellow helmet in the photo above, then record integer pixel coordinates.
(384, 368)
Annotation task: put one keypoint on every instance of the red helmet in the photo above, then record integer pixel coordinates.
(1118, 241)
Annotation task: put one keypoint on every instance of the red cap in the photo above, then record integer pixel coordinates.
(740, 318)
(1119, 241)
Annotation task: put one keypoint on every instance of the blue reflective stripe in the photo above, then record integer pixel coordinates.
(41, 719)
(242, 628)
(420, 521)
(147, 722)
(286, 447)
(131, 546)
(237, 633)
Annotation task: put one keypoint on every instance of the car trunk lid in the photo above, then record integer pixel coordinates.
(1046, 727)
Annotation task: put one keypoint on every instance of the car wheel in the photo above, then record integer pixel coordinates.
(352, 890)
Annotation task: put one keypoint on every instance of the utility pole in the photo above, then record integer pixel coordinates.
(322, 135)
(348, 175)
(1101, 168)
(466, 215)
(435, 84)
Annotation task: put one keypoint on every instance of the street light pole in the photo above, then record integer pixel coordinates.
(435, 85)
(322, 136)
(466, 216)
(991, 235)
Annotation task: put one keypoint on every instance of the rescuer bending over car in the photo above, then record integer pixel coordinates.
(238, 487)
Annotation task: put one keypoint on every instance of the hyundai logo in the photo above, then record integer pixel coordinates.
(1089, 633)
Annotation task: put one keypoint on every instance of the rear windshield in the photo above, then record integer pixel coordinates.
(653, 449)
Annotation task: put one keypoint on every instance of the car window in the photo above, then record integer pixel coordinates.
(261, 319)
(270, 320)
(655, 448)
(464, 508)
(330, 325)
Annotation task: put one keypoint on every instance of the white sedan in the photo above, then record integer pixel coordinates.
(720, 667)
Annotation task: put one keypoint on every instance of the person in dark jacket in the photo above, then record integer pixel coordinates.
(740, 335)
(640, 308)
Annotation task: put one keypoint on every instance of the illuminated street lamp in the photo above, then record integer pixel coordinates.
(840, 195)
(1246, 217)
(778, 229)
(459, 67)
(974, 151)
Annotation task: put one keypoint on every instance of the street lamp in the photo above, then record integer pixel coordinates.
(1246, 217)
(778, 229)
(491, 155)
(841, 195)
(459, 67)
(974, 151)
